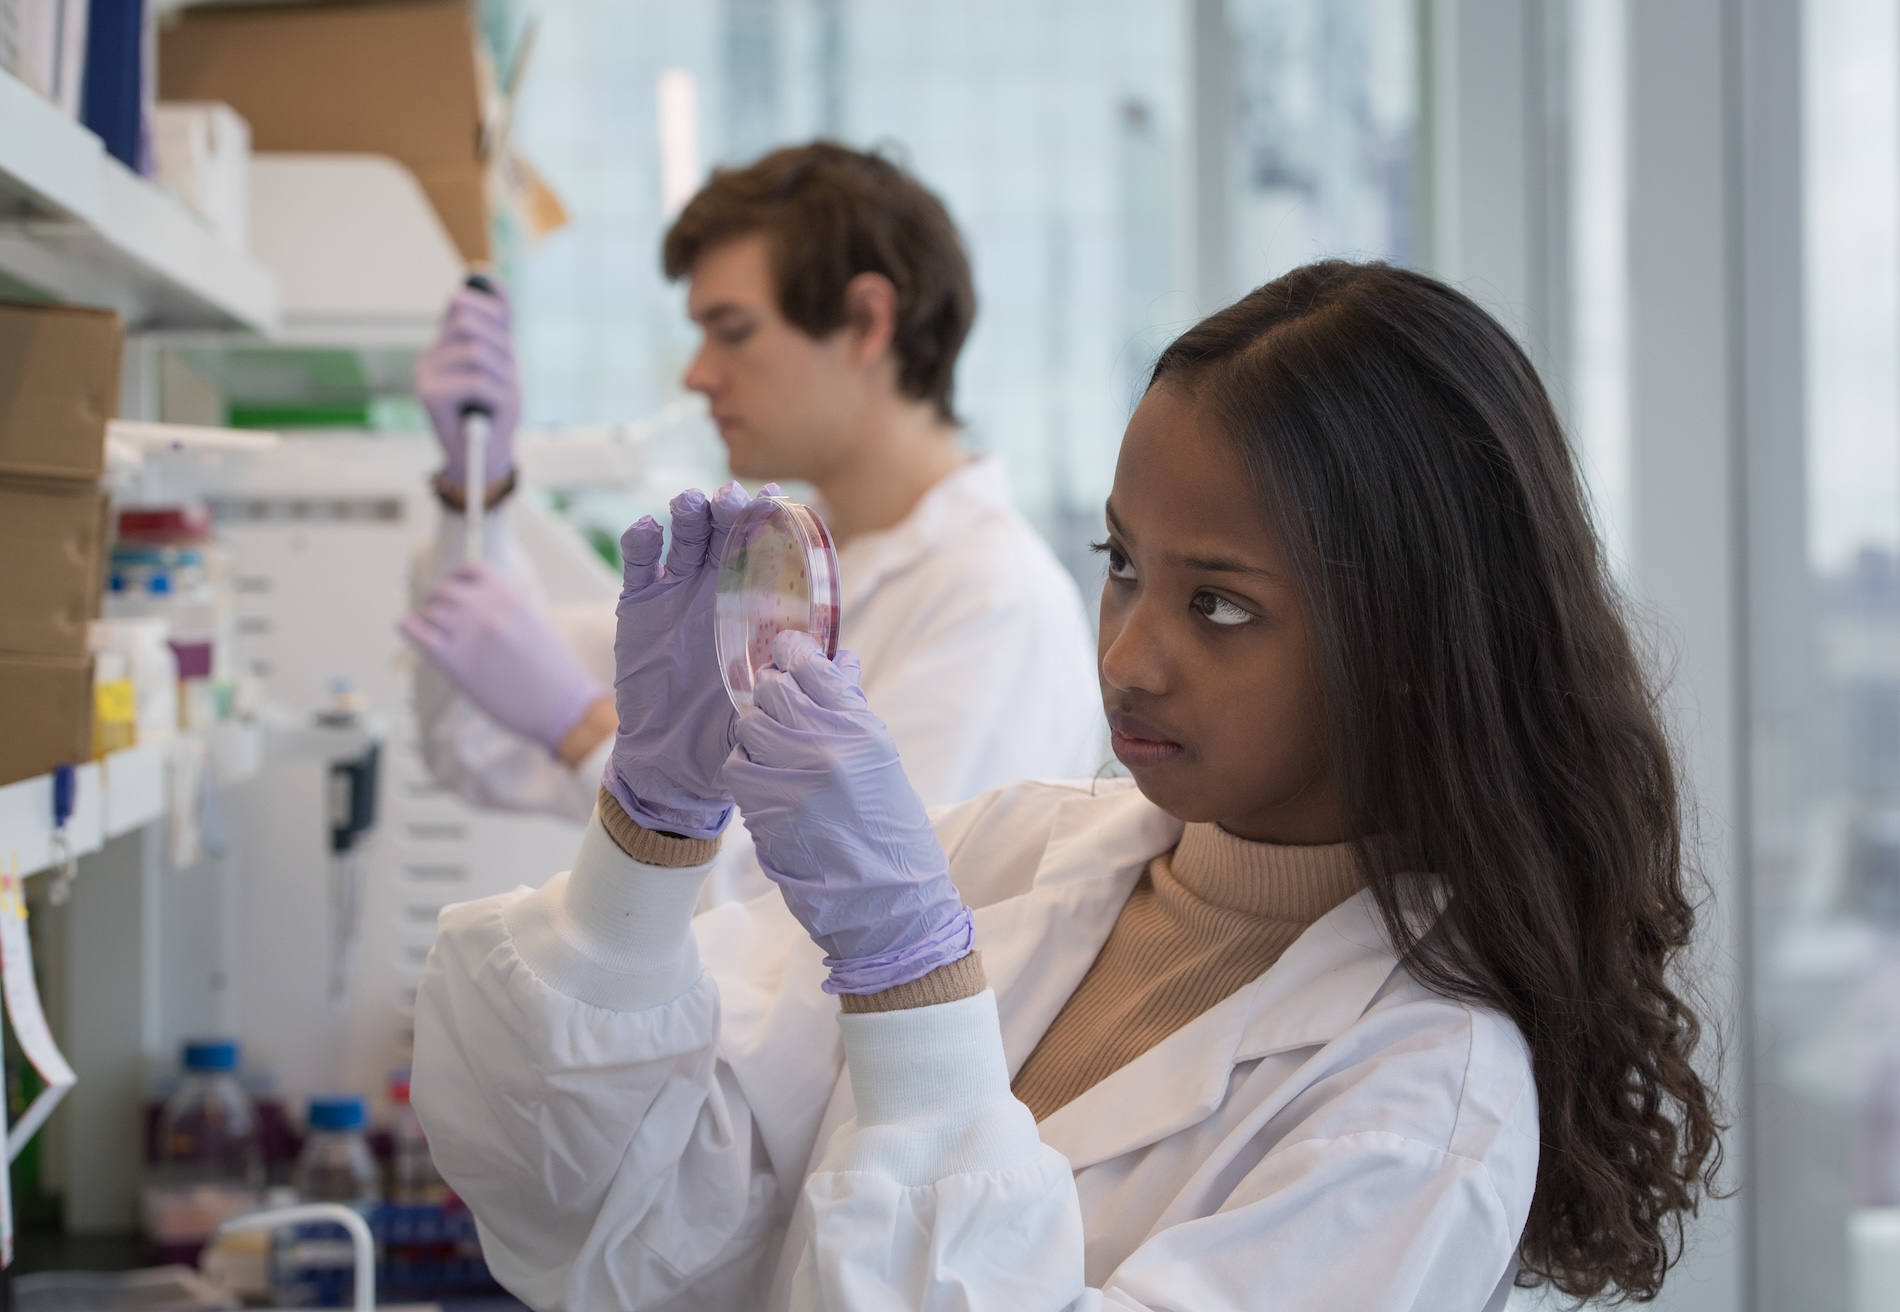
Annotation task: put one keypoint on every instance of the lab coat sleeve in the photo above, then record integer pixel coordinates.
(567, 1077)
(466, 751)
(941, 1195)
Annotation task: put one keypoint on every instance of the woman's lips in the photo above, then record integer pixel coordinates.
(1138, 743)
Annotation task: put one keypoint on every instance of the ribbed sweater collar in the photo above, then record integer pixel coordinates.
(1272, 881)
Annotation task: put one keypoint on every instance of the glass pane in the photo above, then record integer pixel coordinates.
(1053, 130)
(1058, 132)
(1327, 132)
(1826, 750)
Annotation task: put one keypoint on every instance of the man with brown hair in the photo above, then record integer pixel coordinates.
(833, 296)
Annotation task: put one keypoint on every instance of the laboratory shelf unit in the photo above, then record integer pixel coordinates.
(115, 795)
(79, 227)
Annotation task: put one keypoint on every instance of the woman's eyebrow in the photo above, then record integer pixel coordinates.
(1210, 564)
(1223, 565)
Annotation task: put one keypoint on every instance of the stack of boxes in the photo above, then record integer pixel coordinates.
(59, 385)
(400, 78)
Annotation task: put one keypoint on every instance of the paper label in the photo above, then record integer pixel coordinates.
(28, 1016)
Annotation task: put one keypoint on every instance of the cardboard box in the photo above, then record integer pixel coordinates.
(48, 715)
(59, 384)
(401, 78)
(203, 153)
(52, 567)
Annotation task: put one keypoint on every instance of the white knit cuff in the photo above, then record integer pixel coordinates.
(612, 932)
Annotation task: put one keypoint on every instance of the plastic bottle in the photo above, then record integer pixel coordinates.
(144, 644)
(115, 708)
(336, 1165)
(412, 1174)
(208, 1161)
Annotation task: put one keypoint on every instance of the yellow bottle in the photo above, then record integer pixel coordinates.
(115, 706)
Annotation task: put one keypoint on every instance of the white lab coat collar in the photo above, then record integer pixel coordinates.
(1097, 849)
(977, 488)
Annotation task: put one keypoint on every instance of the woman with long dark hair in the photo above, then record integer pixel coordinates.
(1365, 995)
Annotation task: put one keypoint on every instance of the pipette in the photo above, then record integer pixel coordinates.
(476, 420)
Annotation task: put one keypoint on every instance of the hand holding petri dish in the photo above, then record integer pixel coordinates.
(779, 572)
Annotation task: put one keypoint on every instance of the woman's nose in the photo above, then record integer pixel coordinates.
(1131, 655)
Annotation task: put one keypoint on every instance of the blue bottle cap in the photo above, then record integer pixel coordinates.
(343, 1111)
(211, 1054)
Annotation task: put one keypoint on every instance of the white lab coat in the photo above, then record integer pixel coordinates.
(648, 1113)
(975, 647)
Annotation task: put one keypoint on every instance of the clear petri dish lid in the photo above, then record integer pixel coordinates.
(779, 572)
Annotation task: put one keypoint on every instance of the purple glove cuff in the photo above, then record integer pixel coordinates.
(664, 819)
(566, 713)
(951, 942)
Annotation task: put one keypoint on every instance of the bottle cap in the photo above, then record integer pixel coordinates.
(164, 524)
(211, 1054)
(343, 1111)
(779, 572)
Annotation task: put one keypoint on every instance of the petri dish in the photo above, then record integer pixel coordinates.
(779, 572)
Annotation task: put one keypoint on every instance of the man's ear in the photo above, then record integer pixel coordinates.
(870, 310)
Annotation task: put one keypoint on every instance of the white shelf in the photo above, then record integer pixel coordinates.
(82, 228)
(114, 796)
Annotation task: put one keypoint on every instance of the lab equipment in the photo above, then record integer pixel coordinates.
(334, 1255)
(839, 828)
(501, 654)
(466, 381)
(352, 782)
(469, 367)
(336, 1165)
(478, 418)
(167, 565)
(779, 573)
(412, 1174)
(675, 715)
(143, 648)
(311, 1227)
(115, 707)
(65, 857)
(209, 1157)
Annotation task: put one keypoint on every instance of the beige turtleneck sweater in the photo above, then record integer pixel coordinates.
(1204, 919)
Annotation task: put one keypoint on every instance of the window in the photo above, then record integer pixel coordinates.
(1060, 133)
(1826, 733)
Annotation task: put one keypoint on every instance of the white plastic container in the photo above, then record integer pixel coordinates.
(145, 645)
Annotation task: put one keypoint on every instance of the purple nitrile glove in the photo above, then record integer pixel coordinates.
(472, 362)
(839, 828)
(502, 656)
(675, 716)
